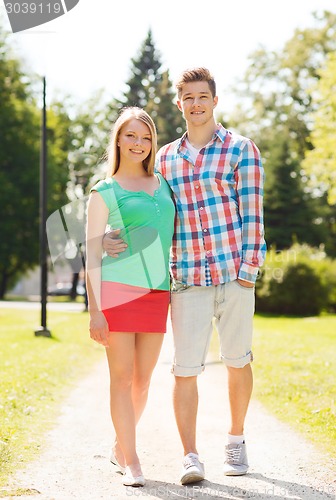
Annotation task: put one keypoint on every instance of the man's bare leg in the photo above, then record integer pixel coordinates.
(240, 384)
(185, 400)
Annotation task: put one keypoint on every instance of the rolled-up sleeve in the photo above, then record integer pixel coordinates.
(250, 175)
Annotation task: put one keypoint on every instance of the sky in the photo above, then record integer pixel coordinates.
(91, 46)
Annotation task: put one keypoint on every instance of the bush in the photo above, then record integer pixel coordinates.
(298, 281)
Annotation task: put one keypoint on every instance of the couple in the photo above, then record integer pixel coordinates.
(196, 212)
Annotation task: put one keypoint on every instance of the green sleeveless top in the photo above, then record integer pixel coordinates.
(147, 226)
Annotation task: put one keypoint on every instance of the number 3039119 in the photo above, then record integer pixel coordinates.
(33, 8)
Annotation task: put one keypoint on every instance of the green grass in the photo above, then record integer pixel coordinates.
(36, 373)
(294, 374)
(51, 298)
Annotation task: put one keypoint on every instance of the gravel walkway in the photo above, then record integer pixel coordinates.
(75, 463)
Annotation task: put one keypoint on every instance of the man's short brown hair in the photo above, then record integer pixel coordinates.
(196, 75)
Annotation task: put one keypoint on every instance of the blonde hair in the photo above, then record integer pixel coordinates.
(196, 75)
(113, 152)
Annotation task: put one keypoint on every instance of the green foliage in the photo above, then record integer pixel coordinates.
(320, 163)
(36, 373)
(275, 111)
(20, 140)
(59, 141)
(169, 120)
(90, 131)
(288, 209)
(19, 171)
(300, 292)
(298, 281)
(145, 75)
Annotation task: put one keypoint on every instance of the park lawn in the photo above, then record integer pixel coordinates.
(294, 374)
(36, 374)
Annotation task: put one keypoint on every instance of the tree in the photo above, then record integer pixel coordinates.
(287, 205)
(60, 137)
(275, 106)
(20, 136)
(19, 171)
(145, 75)
(169, 120)
(320, 162)
(276, 86)
(90, 130)
(149, 87)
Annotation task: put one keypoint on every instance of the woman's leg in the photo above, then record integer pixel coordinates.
(147, 350)
(120, 356)
(146, 353)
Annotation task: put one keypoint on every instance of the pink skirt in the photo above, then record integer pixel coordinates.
(134, 309)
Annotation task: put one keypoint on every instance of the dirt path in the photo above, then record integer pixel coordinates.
(75, 463)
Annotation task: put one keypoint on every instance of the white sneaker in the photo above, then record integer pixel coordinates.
(236, 463)
(193, 469)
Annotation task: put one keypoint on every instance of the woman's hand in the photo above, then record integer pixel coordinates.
(99, 328)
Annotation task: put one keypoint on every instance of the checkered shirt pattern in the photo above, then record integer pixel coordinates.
(219, 230)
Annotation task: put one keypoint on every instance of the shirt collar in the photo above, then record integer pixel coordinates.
(220, 134)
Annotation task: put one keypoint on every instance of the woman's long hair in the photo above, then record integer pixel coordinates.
(113, 151)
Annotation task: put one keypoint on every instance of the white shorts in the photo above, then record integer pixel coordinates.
(195, 310)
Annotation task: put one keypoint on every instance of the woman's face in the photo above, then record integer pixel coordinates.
(135, 141)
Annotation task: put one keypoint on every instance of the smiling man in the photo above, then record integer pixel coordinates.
(218, 246)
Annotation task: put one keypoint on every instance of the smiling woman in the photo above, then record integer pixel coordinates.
(129, 294)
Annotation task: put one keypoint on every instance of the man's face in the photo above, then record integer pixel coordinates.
(196, 103)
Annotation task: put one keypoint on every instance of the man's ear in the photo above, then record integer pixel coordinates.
(179, 105)
(215, 100)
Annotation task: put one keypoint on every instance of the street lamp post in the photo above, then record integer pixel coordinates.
(43, 330)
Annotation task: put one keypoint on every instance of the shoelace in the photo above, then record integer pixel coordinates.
(233, 455)
(190, 462)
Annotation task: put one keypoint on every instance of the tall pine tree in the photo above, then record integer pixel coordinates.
(169, 120)
(149, 87)
(289, 211)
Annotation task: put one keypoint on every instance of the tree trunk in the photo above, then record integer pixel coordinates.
(3, 285)
(73, 293)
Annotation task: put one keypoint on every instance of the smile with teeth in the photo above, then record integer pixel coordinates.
(138, 151)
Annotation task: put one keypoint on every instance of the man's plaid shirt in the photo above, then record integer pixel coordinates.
(219, 231)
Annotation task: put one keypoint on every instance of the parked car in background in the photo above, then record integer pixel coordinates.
(63, 289)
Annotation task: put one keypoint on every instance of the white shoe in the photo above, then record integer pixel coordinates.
(118, 468)
(193, 469)
(130, 480)
(236, 463)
